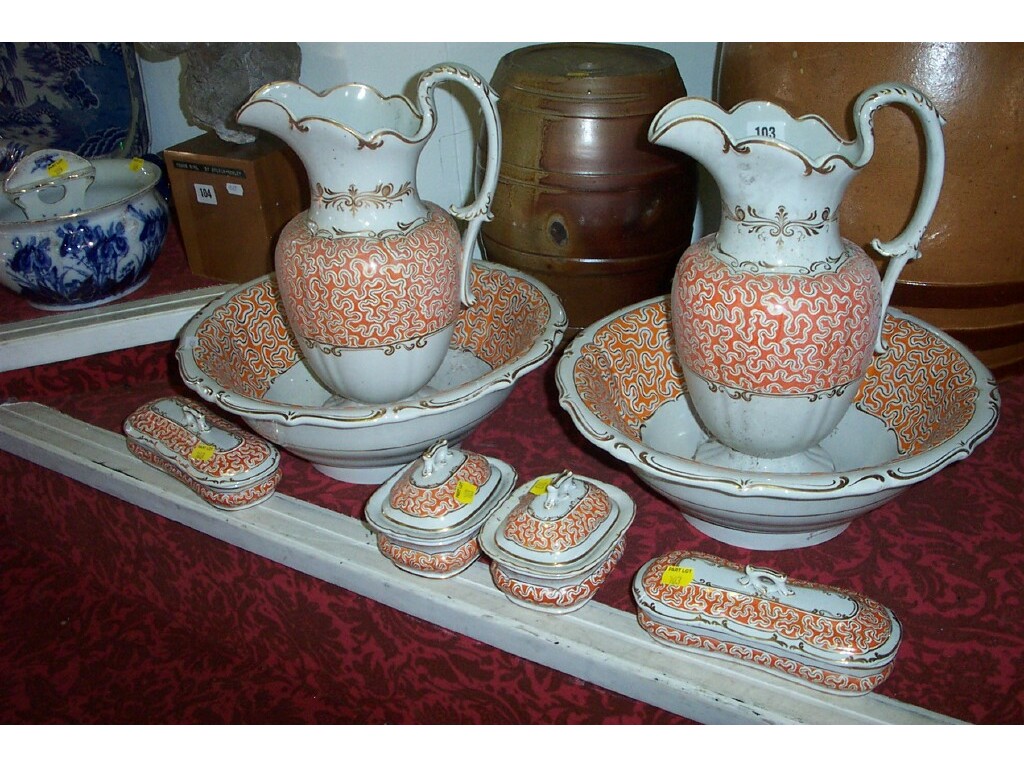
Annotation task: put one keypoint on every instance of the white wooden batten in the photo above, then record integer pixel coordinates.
(599, 644)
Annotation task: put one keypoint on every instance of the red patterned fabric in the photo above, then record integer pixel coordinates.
(109, 613)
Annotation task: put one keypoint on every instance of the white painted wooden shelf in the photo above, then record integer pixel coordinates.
(68, 335)
(598, 644)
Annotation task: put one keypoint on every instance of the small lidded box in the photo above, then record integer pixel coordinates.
(226, 465)
(554, 541)
(427, 516)
(827, 638)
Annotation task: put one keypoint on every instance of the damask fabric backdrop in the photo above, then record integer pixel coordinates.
(82, 97)
(109, 613)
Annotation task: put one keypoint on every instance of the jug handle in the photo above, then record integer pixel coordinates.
(907, 245)
(479, 210)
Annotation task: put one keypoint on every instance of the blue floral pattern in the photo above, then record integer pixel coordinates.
(84, 97)
(84, 262)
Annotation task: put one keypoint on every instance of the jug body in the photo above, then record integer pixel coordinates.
(372, 278)
(776, 316)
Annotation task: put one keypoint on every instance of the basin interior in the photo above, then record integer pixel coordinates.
(245, 346)
(917, 394)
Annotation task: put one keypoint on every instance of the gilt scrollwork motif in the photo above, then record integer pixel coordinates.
(780, 226)
(384, 195)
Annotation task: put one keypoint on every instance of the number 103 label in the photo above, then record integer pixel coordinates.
(767, 130)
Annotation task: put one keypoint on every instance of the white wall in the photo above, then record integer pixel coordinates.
(446, 167)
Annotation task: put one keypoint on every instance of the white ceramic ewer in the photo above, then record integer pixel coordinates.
(372, 277)
(775, 316)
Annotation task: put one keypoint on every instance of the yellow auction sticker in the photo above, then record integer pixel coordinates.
(465, 492)
(202, 452)
(540, 487)
(677, 576)
(58, 167)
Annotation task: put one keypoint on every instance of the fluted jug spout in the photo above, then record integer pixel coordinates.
(343, 136)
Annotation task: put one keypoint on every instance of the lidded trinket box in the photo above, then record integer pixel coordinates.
(554, 541)
(226, 465)
(427, 516)
(826, 638)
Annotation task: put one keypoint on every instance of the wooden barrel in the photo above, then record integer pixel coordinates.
(970, 278)
(584, 202)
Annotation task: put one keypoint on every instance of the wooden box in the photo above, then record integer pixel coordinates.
(232, 200)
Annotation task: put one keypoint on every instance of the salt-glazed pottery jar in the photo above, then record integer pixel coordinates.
(427, 516)
(826, 638)
(76, 233)
(554, 541)
(775, 317)
(226, 465)
(371, 276)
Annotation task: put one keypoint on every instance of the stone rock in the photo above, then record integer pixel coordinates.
(217, 78)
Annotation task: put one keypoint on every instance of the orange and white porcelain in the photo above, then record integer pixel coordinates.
(776, 317)
(823, 637)
(239, 353)
(554, 541)
(227, 466)
(925, 402)
(426, 518)
(372, 277)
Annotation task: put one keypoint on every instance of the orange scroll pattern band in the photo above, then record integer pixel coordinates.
(866, 629)
(821, 678)
(226, 500)
(563, 533)
(362, 292)
(223, 464)
(440, 499)
(559, 598)
(439, 563)
(922, 388)
(626, 373)
(251, 325)
(513, 305)
(775, 333)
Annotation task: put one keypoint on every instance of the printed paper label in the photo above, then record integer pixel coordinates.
(767, 130)
(202, 452)
(206, 194)
(677, 576)
(465, 492)
(58, 167)
(540, 487)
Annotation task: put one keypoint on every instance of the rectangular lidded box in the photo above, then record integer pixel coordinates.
(827, 638)
(224, 464)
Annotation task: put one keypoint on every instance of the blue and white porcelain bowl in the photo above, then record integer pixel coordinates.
(76, 233)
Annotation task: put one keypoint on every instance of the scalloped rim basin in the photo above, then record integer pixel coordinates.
(238, 349)
(924, 404)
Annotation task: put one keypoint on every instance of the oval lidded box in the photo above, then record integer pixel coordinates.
(224, 464)
(554, 541)
(827, 638)
(426, 517)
